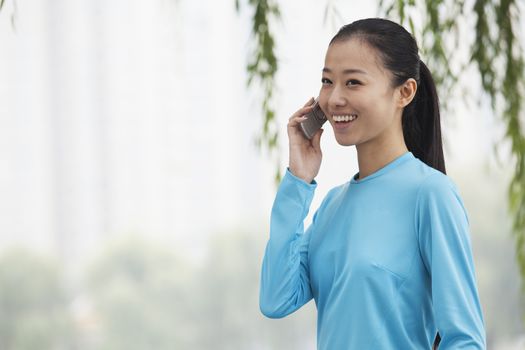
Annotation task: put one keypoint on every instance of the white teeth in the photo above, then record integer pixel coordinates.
(344, 118)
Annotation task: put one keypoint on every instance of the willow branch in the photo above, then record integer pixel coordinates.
(262, 69)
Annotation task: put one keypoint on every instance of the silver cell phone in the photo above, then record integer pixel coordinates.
(314, 122)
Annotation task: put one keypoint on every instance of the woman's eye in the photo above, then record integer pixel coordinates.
(353, 82)
(325, 81)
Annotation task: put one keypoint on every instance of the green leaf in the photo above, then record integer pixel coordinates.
(262, 69)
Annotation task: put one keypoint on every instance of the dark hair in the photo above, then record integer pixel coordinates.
(398, 51)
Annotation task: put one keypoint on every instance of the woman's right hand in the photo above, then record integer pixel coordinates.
(305, 155)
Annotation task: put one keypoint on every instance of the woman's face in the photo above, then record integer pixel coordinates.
(357, 97)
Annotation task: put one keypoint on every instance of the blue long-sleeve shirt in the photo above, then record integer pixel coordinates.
(387, 259)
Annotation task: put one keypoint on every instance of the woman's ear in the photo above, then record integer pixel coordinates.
(407, 91)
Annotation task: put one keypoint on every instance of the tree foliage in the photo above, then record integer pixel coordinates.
(262, 69)
(33, 303)
(145, 296)
(496, 53)
(140, 297)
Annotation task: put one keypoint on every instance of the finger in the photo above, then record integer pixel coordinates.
(295, 121)
(301, 112)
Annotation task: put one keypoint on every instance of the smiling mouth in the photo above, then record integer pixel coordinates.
(347, 118)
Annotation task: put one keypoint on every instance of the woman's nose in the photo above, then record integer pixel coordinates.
(336, 99)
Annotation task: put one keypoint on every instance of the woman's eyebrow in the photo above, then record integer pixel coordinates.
(346, 71)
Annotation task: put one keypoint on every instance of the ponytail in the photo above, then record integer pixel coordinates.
(421, 122)
(422, 130)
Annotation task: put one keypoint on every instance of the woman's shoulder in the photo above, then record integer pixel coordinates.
(438, 198)
(438, 190)
(335, 195)
(337, 191)
(432, 187)
(431, 179)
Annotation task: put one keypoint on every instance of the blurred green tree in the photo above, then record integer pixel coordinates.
(142, 298)
(33, 305)
(496, 53)
(145, 298)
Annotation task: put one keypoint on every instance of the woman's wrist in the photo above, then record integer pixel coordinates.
(299, 175)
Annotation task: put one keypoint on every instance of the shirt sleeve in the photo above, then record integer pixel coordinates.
(285, 281)
(443, 229)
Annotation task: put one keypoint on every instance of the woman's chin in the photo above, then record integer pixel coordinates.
(344, 141)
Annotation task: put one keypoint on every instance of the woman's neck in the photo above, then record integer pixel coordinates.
(371, 159)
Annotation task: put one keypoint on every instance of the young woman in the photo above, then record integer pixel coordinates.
(387, 257)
